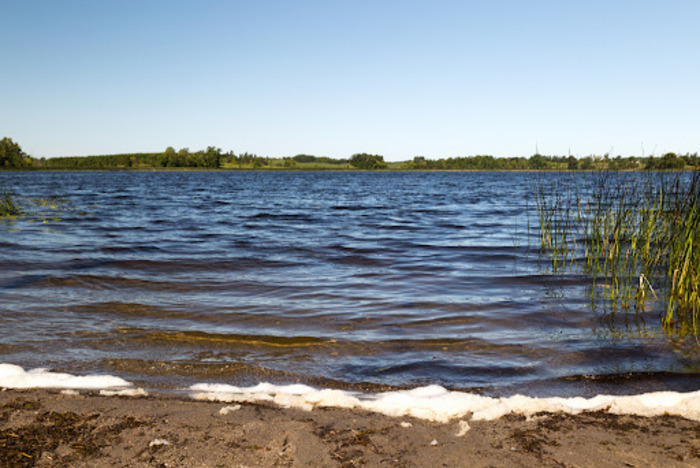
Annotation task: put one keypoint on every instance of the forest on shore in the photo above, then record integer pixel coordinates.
(12, 157)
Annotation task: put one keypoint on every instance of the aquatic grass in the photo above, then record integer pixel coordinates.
(684, 259)
(556, 224)
(41, 209)
(638, 235)
(52, 203)
(9, 206)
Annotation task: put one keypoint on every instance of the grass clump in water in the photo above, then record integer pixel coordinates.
(683, 269)
(8, 206)
(634, 234)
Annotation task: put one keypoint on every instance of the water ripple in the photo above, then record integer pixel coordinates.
(355, 279)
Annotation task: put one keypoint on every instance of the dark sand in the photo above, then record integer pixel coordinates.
(47, 428)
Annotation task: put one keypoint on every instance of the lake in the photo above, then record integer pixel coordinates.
(339, 279)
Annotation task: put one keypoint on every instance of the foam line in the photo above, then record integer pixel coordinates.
(437, 404)
(12, 376)
(432, 403)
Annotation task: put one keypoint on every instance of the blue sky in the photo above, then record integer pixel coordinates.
(399, 78)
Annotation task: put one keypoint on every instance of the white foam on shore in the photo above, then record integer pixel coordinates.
(435, 403)
(12, 376)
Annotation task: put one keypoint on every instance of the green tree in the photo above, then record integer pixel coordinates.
(670, 161)
(587, 163)
(537, 161)
(11, 155)
(168, 155)
(212, 157)
(650, 164)
(367, 161)
(419, 162)
(305, 158)
(690, 159)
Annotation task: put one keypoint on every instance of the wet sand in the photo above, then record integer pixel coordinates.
(48, 428)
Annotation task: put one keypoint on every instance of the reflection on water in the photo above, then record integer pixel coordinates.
(371, 279)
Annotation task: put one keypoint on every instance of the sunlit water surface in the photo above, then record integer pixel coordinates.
(364, 280)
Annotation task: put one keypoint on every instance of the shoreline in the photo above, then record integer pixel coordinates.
(41, 427)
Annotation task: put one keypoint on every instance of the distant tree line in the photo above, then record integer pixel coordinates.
(209, 158)
(114, 161)
(248, 160)
(671, 161)
(538, 162)
(473, 163)
(307, 158)
(12, 157)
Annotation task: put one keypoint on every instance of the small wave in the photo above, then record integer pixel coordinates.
(130, 249)
(229, 339)
(358, 207)
(358, 260)
(283, 217)
(189, 265)
(129, 310)
(23, 281)
(95, 282)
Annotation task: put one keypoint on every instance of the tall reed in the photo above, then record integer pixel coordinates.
(637, 234)
(683, 269)
(554, 209)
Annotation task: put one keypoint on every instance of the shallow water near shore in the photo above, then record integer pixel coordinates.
(359, 280)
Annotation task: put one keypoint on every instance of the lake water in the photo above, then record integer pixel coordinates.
(359, 280)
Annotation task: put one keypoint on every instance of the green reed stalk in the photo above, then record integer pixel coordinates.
(684, 262)
(633, 236)
(555, 222)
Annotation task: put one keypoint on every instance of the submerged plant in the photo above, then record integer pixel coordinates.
(8, 206)
(42, 209)
(635, 235)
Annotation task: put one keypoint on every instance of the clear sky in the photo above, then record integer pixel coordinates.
(401, 78)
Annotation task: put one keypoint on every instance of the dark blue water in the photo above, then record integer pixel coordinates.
(336, 279)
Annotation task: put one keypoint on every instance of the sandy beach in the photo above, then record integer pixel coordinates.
(50, 428)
